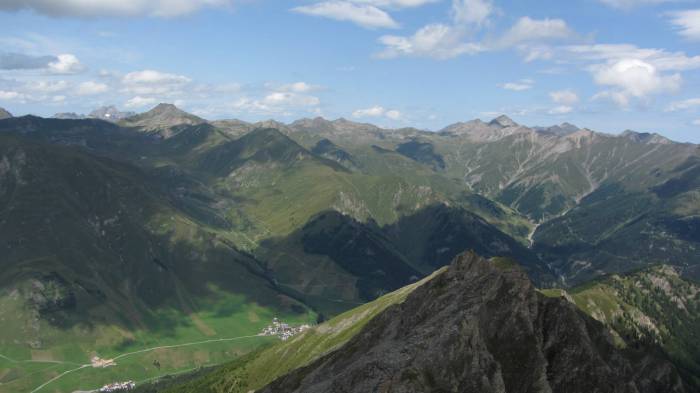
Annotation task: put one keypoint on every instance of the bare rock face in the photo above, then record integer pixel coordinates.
(482, 328)
(4, 114)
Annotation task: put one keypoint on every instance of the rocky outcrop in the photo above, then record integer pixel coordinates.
(4, 114)
(482, 327)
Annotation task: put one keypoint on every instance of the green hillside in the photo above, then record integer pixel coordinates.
(260, 368)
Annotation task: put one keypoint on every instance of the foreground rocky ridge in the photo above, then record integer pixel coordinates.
(482, 327)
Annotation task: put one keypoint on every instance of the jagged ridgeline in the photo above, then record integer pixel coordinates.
(477, 326)
(163, 227)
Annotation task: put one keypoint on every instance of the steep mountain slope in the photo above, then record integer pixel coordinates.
(565, 180)
(604, 233)
(97, 260)
(262, 192)
(652, 306)
(4, 114)
(481, 327)
(477, 326)
(259, 369)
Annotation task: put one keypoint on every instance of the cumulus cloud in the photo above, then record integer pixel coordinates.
(437, 41)
(91, 88)
(112, 8)
(688, 23)
(659, 58)
(151, 82)
(634, 78)
(564, 97)
(521, 85)
(377, 111)
(65, 64)
(631, 72)
(365, 15)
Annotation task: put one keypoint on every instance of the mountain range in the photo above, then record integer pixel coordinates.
(125, 230)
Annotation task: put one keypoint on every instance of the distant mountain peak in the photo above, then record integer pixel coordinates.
(109, 113)
(562, 129)
(503, 121)
(645, 137)
(4, 114)
(167, 109)
(161, 117)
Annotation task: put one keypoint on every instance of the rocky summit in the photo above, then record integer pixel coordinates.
(4, 114)
(481, 326)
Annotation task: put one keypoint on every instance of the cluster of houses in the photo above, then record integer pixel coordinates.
(118, 387)
(283, 330)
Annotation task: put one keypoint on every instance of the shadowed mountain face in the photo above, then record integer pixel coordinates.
(482, 327)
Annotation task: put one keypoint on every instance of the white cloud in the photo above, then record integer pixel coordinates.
(437, 41)
(661, 59)
(628, 4)
(298, 87)
(522, 85)
(65, 64)
(687, 23)
(472, 12)
(10, 96)
(395, 4)
(561, 110)
(140, 102)
(683, 105)
(634, 78)
(45, 86)
(393, 114)
(527, 30)
(564, 97)
(91, 88)
(112, 8)
(536, 52)
(377, 111)
(365, 15)
(696, 122)
(278, 102)
(151, 82)
(289, 99)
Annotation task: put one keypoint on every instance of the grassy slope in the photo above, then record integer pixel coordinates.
(261, 368)
(87, 283)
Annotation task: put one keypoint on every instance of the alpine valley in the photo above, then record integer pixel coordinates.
(139, 246)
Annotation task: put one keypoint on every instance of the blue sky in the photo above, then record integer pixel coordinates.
(609, 65)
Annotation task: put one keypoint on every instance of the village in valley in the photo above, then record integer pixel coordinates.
(283, 330)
